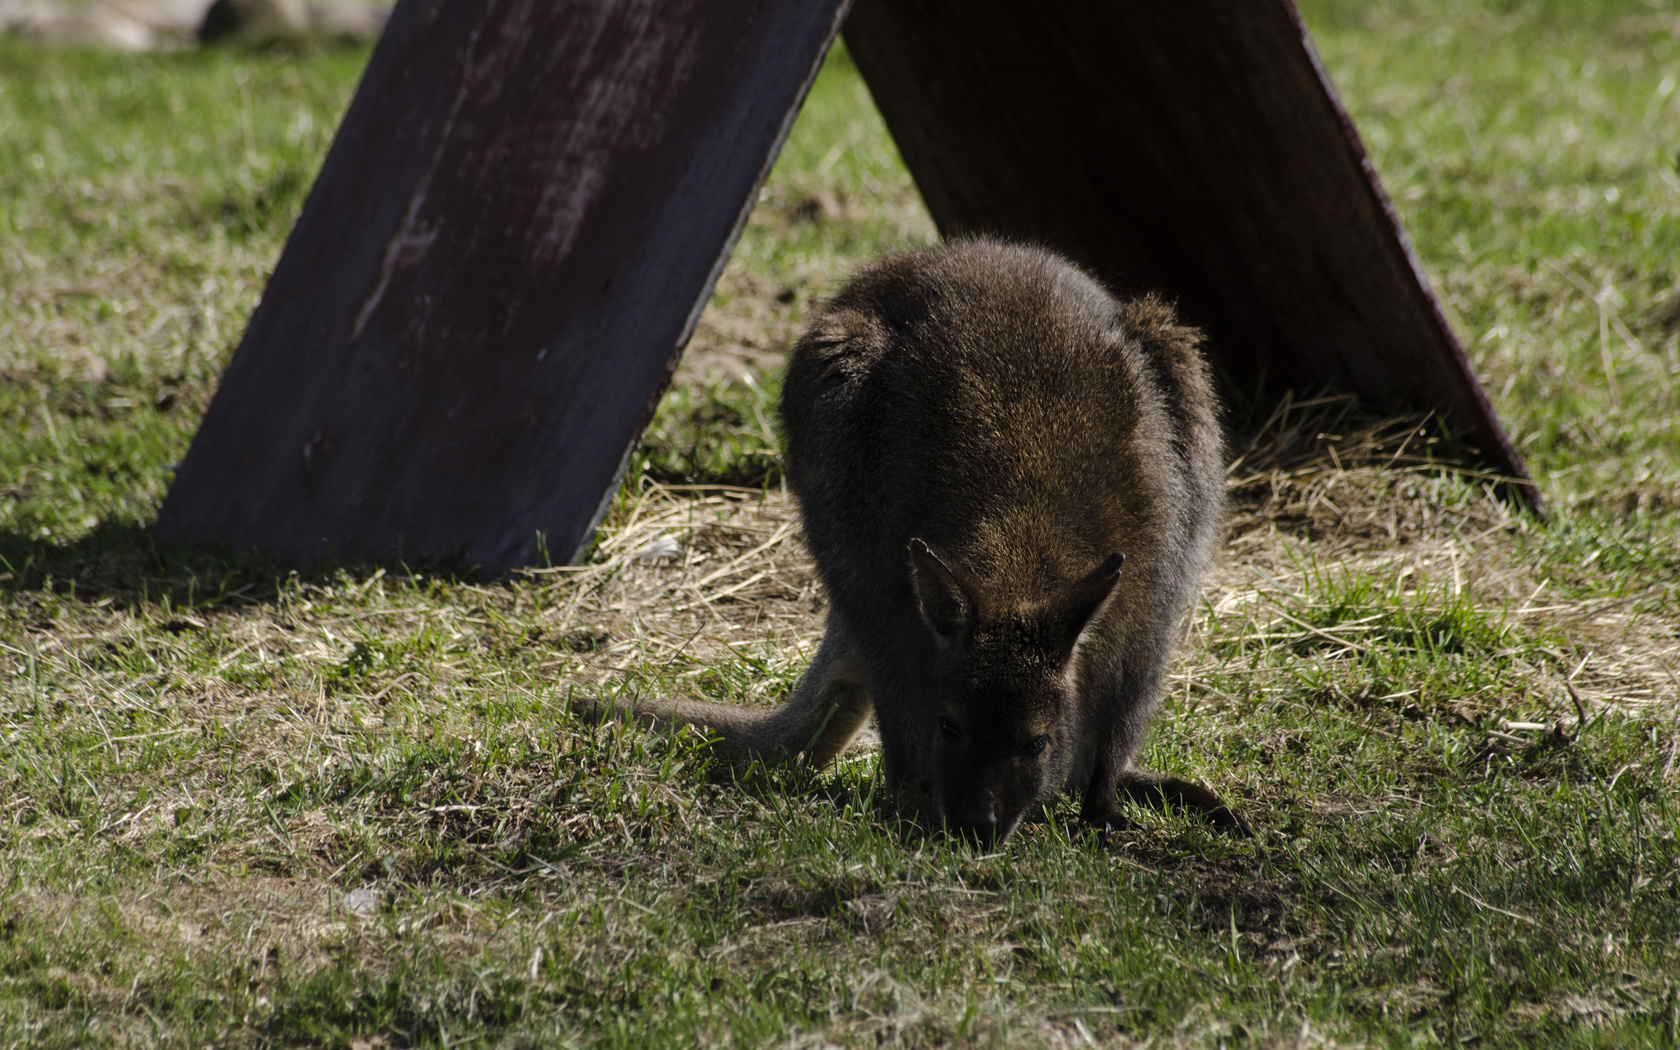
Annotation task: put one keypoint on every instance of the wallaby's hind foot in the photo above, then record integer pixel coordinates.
(1152, 789)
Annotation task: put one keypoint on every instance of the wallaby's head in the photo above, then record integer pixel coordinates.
(1006, 721)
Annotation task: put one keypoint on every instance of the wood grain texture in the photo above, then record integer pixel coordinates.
(510, 241)
(1195, 148)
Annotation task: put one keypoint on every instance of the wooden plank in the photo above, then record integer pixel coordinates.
(510, 241)
(1195, 148)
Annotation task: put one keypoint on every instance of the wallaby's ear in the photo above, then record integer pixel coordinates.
(946, 604)
(1079, 603)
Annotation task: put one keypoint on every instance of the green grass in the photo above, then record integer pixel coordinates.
(242, 806)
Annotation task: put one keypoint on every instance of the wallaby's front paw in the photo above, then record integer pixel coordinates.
(1105, 818)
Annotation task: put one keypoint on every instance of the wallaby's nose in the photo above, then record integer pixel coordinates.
(976, 819)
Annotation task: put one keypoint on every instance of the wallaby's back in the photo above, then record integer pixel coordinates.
(995, 400)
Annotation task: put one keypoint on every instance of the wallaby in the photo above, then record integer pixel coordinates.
(1010, 482)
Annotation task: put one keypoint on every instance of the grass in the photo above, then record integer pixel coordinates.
(247, 807)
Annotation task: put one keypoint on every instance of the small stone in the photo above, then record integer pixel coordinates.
(20, 16)
(253, 20)
(177, 19)
(347, 19)
(362, 902)
(92, 27)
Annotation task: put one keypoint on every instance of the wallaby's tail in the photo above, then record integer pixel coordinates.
(823, 713)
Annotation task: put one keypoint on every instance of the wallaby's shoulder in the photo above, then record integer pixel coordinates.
(966, 296)
(974, 303)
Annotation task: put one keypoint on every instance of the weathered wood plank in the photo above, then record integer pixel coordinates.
(1195, 148)
(508, 245)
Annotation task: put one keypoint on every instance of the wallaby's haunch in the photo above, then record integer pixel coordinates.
(1010, 481)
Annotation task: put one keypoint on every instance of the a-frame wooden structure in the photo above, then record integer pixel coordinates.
(529, 202)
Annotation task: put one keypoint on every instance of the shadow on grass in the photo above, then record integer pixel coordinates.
(126, 562)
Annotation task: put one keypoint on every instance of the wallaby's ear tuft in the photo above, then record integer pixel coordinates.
(839, 342)
(1078, 606)
(841, 325)
(946, 604)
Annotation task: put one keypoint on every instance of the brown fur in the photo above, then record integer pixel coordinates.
(1010, 482)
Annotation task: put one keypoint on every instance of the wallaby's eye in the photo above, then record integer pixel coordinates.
(1036, 744)
(949, 728)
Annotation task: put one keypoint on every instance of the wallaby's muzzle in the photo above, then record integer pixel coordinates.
(977, 817)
